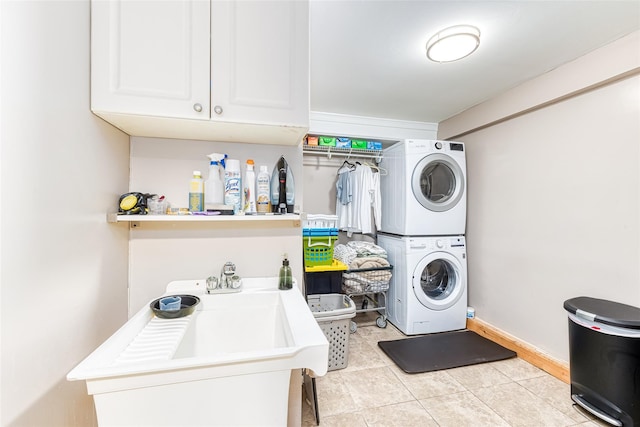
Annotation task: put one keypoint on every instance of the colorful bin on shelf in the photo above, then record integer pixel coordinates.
(343, 142)
(327, 141)
(360, 144)
(374, 145)
(318, 250)
(319, 234)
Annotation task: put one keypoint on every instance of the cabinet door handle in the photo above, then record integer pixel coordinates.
(217, 109)
(197, 107)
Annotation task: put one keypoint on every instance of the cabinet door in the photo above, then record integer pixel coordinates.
(260, 61)
(151, 57)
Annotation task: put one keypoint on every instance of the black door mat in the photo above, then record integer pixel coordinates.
(444, 350)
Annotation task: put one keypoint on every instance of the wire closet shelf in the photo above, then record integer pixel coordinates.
(361, 153)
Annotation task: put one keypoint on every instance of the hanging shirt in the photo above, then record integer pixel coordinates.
(360, 187)
(343, 185)
(344, 192)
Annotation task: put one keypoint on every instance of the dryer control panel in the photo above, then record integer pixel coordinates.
(437, 243)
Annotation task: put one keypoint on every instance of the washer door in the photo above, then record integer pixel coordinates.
(437, 182)
(438, 281)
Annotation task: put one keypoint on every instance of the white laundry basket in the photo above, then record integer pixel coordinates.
(333, 313)
(311, 221)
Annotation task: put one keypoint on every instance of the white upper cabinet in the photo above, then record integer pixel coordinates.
(151, 58)
(221, 70)
(260, 61)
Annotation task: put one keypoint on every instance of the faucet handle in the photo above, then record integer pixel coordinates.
(212, 283)
(236, 282)
(229, 269)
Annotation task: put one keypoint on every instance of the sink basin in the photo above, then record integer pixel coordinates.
(235, 351)
(247, 323)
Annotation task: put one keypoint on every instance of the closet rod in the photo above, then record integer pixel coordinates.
(344, 152)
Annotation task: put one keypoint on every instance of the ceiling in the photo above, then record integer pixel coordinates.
(368, 56)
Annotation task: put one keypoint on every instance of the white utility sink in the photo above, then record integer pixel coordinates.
(229, 363)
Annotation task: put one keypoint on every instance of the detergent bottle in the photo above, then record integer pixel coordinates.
(263, 190)
(214, 185)
(196, 193)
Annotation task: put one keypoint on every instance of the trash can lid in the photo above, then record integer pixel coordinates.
(603, 311)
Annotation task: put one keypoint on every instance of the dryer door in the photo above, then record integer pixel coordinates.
(437, 182)
(438, 281)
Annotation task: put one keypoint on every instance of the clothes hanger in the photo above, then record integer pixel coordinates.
(347, 163)
(381, 171)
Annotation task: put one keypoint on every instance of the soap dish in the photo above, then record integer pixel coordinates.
(187, 306)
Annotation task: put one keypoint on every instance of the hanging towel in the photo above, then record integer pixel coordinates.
(377, 200)
(364, 199)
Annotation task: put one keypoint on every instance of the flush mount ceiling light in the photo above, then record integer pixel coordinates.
(453, 43)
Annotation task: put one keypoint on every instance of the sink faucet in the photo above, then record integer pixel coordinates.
(227, 272)
(227, 282)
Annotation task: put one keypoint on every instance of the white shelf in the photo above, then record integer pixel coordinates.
(388, 131)
(294, 219)
(323, 150)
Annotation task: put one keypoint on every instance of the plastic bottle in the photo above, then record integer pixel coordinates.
(233, 185)
(249, 186)
(263, 190)
(196, 193)
(214, 185)
(285, 278)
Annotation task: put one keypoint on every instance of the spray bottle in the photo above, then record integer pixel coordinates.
(214, 185)
(249, 187)
(233, 185)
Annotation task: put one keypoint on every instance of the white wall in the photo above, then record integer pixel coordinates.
(63, 273)
(162, 252)
(554, 202)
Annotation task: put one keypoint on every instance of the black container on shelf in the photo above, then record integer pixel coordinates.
(604, 353)
(323, 282)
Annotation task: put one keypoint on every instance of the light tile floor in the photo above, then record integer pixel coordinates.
(373, 391)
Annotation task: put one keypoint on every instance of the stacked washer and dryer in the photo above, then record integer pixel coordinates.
(424, 210)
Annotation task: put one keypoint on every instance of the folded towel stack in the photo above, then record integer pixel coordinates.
(357, 249)
(369, 270)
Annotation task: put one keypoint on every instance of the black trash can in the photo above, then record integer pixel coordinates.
(604, 358)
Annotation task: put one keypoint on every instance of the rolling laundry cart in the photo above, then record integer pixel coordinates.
(604, 359)
(368, 287)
